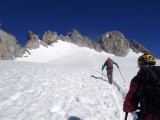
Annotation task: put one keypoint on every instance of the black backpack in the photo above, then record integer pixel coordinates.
(150, 90)
(109, 63)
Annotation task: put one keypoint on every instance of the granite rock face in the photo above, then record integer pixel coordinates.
(20, 50)
(137, 47)
(32, 41)
(114, 42)
(82, 41)
(9, 47)
(50, 37)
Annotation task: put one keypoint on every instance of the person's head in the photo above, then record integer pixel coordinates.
(146, 59)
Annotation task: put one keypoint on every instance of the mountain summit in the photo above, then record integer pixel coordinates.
(114, 42)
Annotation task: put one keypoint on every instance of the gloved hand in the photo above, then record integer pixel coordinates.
(102, 68)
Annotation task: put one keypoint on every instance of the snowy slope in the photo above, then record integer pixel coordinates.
(64, 82)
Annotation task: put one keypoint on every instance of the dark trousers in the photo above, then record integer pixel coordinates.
(110, 74)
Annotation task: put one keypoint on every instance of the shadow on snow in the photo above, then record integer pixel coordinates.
(74, 118)
(98, 78)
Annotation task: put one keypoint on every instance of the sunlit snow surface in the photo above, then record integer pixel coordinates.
(64, 82)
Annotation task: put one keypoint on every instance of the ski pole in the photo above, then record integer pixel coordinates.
(102, 72)
(121, 74)
(126, 115)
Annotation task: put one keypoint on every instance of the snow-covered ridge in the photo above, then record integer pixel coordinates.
(60, 50)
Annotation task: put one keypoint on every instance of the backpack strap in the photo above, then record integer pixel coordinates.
(153, 74)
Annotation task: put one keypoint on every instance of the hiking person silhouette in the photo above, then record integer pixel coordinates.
(142, 95)
(109, 68)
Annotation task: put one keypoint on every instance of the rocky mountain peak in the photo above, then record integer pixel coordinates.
(75, 31)
(137, 47)
(114, 42)
(32, 41)
(31, 36)
(114, 35)
(50, 37)
(75, 35)
(83, 41)
(9, 47)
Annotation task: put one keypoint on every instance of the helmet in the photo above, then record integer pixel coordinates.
(146, 58)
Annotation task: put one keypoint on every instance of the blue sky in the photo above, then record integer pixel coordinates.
(136, 19)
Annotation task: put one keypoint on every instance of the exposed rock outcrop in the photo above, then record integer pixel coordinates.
(137, 47)
(114, 42)
(32, 41)
(65, 38)
(9, 48)
(20, 50)
(83, 41)
(50, 37)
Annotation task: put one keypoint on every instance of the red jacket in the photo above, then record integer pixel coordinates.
(128, 105)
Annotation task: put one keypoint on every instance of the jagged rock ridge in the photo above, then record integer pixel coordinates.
(33, 41)
(83, 41)
(113, 42)
(137, 47)
(75, 37)
(9, 48)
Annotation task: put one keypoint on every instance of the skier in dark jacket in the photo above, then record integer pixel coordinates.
(132, 98)
(109, 67)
